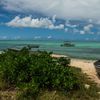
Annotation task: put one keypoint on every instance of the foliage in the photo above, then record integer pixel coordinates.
(64, 61)
(67, 44)
(32, 72)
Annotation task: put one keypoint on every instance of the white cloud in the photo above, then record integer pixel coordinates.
(66, 29)
(54, 18)
(87, 28)
(34, 23)
(82, 32)
(49, 37)
(60, 26)
(70, 25)
(61, 8)
(90, 21)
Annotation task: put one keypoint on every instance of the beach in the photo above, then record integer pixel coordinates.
(87, 67)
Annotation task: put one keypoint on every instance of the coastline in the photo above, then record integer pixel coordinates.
(87, 67)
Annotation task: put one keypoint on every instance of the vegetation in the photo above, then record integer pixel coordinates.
(67, 44)
(32, 73)
(33, 46)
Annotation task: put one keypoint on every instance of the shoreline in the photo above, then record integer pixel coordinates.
(87, 67)
(60, 55)
(81, 58)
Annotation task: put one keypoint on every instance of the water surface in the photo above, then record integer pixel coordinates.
(87, 50)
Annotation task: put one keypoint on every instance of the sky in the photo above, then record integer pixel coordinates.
(50, 19)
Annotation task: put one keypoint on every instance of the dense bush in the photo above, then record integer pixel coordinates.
(32, 72)
(64, 61)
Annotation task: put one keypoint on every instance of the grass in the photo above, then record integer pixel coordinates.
(92, 93)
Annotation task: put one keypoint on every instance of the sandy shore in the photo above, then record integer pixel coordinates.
(87, 67)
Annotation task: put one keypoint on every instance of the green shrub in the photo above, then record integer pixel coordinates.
(32, 72)
(65, 61)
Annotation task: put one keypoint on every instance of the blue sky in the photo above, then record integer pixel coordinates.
(33, 19)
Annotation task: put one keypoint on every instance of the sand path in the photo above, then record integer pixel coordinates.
(87, 67)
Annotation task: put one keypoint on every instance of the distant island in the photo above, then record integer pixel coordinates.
(67, 44)
(33, 46)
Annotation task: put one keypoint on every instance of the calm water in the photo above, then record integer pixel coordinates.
(87, 50)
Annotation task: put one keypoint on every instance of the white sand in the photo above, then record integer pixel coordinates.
(1, 52)
(58, 56)
(87, 67)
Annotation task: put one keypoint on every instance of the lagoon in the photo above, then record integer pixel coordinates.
(83, 49)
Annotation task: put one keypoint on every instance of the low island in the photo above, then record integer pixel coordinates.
(67, 44)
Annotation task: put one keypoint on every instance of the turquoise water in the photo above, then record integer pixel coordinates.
(87, 50)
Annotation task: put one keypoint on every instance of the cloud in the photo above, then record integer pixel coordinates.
(71, 26)
(49, 37)
(34, 23)
(54, 18)
(68, 24)
(82, 32)
(90, 21)
(66, 29)
(87, 28)
(60, 8)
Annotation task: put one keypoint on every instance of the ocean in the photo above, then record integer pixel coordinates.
(84, 50)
